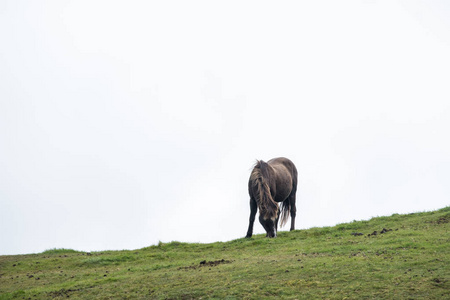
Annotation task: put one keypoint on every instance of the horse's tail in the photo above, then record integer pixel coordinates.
(285, 211)
(266, 204)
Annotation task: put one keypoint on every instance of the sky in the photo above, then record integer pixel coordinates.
(123, 124)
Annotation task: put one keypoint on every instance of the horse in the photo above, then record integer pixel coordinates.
(269, 184)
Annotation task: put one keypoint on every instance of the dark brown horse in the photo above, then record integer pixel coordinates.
(269, 184)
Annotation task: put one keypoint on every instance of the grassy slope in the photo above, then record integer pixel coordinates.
(411, 261)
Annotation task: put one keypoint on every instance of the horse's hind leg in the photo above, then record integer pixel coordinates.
(253, 208)
(293, 210)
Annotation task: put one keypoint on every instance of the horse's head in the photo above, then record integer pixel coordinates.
(269, 225)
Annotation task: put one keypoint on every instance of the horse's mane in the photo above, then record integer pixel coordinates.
(261, 182)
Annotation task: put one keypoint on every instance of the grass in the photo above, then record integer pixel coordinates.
(411, 261)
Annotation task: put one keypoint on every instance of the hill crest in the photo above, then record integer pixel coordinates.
(400, 256)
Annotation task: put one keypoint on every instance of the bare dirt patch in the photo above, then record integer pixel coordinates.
(205, 263)
(62, 293)
(384, 230)
(442, 220)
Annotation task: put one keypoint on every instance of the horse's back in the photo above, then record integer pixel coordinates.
(286, 177)
(281, 162)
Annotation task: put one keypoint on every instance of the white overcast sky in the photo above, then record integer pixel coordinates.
(125, 123)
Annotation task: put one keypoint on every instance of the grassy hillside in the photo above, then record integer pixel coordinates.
(409, 259)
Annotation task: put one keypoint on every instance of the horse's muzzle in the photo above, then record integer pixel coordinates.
(271, 235)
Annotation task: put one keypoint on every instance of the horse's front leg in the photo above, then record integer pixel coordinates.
(253, 208)
(276, 224)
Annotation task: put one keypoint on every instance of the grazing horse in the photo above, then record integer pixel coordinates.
(269, 184)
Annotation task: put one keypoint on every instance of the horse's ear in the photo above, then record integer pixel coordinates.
(263, 166)
(258, 164)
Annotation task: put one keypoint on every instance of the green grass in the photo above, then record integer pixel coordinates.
(412, 261)
(59, 251)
